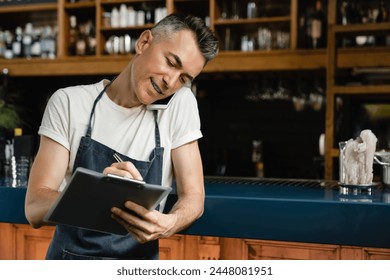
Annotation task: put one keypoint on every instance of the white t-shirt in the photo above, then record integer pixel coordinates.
(130, 131)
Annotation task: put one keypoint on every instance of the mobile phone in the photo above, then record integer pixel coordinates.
(160, 104)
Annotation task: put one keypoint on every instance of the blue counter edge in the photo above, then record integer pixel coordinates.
(353, 224)
(12, 205)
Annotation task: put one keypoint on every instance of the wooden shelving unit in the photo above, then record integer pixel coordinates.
(225, 62)
(338, 58)
(29, 8)
(101, 63)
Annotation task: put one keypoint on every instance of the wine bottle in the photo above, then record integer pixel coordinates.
(318, 27)
(73, 34)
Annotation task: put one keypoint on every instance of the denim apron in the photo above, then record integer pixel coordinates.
(72, 243)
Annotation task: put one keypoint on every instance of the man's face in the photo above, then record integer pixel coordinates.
(161, 68)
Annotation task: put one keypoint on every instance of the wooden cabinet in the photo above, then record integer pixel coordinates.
(239, 29)
(343, 62)
(279, 17)
(21, 242)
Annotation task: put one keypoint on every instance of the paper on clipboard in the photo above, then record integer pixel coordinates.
(87, 199)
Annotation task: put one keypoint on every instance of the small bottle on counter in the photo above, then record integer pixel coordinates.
(257, 158)
(8, 154)
(20, 154)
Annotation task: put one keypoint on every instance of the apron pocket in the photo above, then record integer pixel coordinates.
(66, 255)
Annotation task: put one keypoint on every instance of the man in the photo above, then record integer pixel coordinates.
(85, 125)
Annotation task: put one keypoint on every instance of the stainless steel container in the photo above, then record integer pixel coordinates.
(383, 158)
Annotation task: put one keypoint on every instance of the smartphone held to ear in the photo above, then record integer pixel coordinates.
(160, 104)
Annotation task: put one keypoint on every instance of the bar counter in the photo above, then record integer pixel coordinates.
(308, 211)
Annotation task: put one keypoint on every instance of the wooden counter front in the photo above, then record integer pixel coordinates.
(246, 219)
(21, 242)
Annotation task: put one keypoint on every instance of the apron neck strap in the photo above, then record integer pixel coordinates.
(157, 130)
(89, 130)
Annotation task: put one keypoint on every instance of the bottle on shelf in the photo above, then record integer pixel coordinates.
(159, 14)
(148, 16)
(73, 34)
(383, 16)
(318, 27)
(8, 53)
(53, 41)
(131, 16)
(235, 11)
(48, 43)
(36, 49)
(148, 12)
(82, 40)
(140, 17)
(91, 32)
(2, 44)
(27, 39)
(224, 11)
(252, 9)
(106, 19)
(364, 16)
(115, 17)
(17, 43)
(347, 13)
(123, 16)
(313, 27)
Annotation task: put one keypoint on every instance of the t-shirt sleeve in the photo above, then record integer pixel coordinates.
(185, 122)
(55, 121)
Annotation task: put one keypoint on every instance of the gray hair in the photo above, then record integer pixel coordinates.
(205, 38)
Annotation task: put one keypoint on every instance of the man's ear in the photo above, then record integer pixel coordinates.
(143, 41)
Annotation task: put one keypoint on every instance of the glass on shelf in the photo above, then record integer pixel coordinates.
(252, 9)
(235, 14)
(264, 38)
(303, 95)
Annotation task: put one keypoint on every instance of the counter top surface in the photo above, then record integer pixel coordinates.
(295, 210)
(274, 209)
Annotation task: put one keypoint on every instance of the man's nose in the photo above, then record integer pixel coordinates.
(171, 80)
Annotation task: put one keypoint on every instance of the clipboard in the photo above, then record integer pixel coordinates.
(87, 199)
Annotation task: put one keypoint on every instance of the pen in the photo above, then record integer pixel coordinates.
(117, 158)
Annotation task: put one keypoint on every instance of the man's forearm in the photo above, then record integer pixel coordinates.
(38, 202)
(187, 210)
